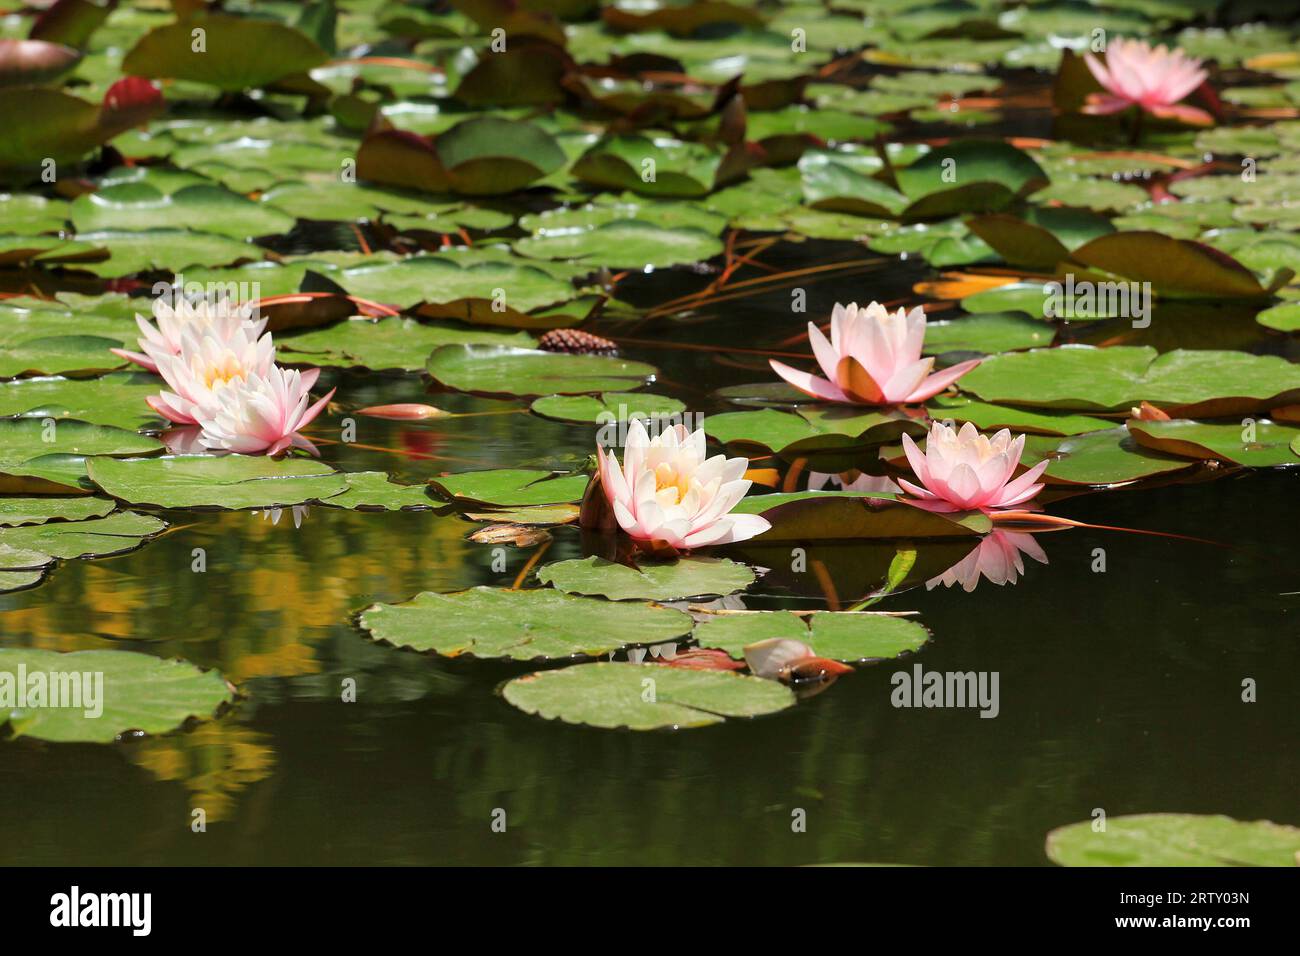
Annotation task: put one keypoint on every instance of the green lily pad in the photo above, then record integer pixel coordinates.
(58, 354)
(117, 399)
(659, 166)
(484, 155)
(1175, 839)
(1110, 457)
(375, 491)
(391, 343)
(649, 581)
(988, 417)
(28, 215)
(119, 533)
(521, 625)
(56, 451)
(213, 209)
(1269, 445)
(19, 580)
(969, 175)
(609, 407)
(441, 280)
(228, 482)
(1284, 317)
(488, 155)
(813, 429)
(644, 697)
(845, 181)
(167, 249)
(533, 515)
(511, 487)
(624, 244)
(239, 53)
(500, 370)
(985, 333)
(1087, 378)
(133, 692)
(851, 636)
(1031, 298)
(30, 511)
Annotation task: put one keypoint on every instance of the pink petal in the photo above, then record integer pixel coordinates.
(1103, 104)
(808, 383)
(143, 361)
(1184, 114)
(937, 382)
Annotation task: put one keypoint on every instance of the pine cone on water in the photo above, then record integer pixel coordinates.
(576, 342)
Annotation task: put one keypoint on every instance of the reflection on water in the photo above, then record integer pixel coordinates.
(996, 558)
(1120, 687)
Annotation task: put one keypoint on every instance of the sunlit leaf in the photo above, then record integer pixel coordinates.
(521, 625)
(614, 695)
(133, 692)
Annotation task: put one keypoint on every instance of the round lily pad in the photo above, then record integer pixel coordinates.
(211, 481)
(118, 533)
(649, 580)
(644, 697)
(1175, 839)
(498, 370)
(624, 244)
(110, 693)
(397, 342)
(375, 491)
(521, 625)
(116, 399)
(852, 636)
(1256, 444)
(1087, 378)
(609, 407)
(511, 487)
(28, 511)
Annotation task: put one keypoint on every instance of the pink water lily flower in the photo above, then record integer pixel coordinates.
(219, 317)
(873, 357)
(966, 471)
(208, 361)
(996, 557)
(667, 493)
(1153, 80)
(262, 413)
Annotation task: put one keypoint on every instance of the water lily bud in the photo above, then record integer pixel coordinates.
(772, 658)
(1146, 412)
(404, 412)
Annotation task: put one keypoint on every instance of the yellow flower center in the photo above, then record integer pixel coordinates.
(223, 371)
(670, 485)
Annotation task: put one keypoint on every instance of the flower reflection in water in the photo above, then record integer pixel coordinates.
(996, 557)
(273, 514)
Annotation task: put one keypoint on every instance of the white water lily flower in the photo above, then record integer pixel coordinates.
(208, 362)
(163, 337)
(262, 413)
(668, 494)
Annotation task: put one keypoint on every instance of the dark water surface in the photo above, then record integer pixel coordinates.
(1119, 689)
